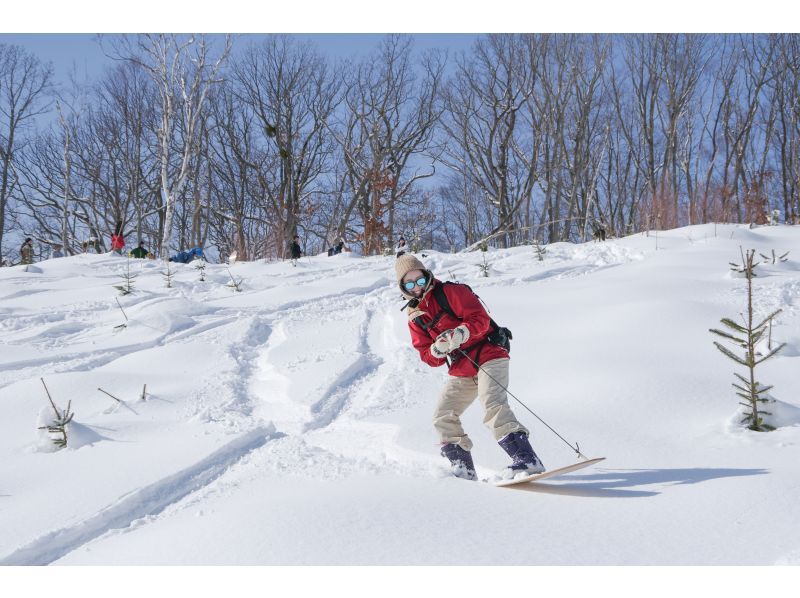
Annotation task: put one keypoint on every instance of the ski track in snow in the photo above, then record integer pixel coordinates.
(235, 411)
(331, 432)
(82, 362)
(148, 501)
(147, 504)
(334, 400)
(358, 390)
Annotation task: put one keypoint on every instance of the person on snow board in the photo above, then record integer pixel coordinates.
(449, 325)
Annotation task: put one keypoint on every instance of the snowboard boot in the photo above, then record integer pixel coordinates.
(460, 461)
(524, 459)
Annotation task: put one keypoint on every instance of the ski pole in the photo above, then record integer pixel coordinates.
(575, 448)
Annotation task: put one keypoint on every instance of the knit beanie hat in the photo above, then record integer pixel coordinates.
(405, 264)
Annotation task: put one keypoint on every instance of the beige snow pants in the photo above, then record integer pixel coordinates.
(460, 392)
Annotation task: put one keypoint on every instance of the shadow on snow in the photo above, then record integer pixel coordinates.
(610, 483)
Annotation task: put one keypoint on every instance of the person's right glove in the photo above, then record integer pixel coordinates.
(441, 346)
(449, 341)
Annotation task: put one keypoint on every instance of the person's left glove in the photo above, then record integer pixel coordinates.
(459, 335)
(450, 340)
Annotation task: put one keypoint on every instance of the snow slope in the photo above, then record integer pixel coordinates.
(290, 423)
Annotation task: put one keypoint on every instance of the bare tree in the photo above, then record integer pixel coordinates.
(787, 139)
(183, 70)
(579, 131)
(291, 92)
(24, 86)
(126, 119)
(757, 54)
(98, 164)
(241, 220)
(684, 58)
(489, 142)
(386, 132)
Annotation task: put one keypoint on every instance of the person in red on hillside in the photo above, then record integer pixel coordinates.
(118, 238)
(461, 334)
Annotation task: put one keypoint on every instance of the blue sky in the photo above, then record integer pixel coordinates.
(81, 50)
(422, 16)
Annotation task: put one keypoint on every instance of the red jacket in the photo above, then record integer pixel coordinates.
(465, 304)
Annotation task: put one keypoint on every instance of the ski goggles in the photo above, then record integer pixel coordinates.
(410, 284)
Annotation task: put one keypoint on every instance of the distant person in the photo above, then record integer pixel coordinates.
(91, 243)
(57, 251)
(401, 247)
(295, 250)
(599, 231)
(140, 252)
(118, 238)
(184, 257)
(336, 249)
(26, 251)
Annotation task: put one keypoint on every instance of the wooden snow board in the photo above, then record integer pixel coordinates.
(549, 474)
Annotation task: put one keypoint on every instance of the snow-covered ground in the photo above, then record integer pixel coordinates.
(290, 423)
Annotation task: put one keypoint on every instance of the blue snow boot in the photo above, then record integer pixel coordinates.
(460, 461)
(524, 459)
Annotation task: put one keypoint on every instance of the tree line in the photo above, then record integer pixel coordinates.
(243, 143)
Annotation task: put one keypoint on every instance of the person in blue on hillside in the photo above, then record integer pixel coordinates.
(184, 257)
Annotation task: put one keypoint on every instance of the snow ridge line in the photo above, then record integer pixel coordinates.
(149, 500)
(244, 354)
(82, 362)
(334, 401)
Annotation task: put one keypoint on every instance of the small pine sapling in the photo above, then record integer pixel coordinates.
(484, 267)
(749, 271)
(539, 250)
(775, 258)
(747, 337)
(127, 286)
(58, 427)
(168, 275)
(236, 285)
(200, 264)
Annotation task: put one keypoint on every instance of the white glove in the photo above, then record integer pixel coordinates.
(440, 346)
(458, 336)
(449, 341)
